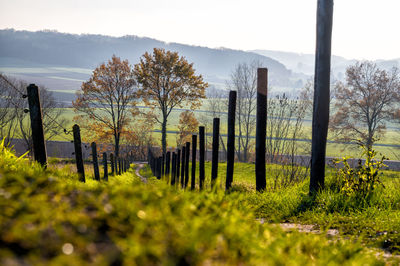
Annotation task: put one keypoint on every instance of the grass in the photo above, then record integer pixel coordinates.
(48, 217)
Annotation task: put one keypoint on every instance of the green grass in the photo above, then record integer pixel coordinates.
(375, 222)
(48, 217)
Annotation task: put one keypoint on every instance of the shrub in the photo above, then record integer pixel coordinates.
(362, 180)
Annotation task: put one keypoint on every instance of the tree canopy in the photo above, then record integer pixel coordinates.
(365, 102)
(168, 81)
(105, 100)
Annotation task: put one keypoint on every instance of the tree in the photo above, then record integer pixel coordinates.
(168, 81)
(244, 81)
(8, 104)
(104, 101)
(365, 102)
(16, 124)
(188, 125)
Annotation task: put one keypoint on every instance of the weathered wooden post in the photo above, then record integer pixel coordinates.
(95, 162)
(119, 166)
(112, 164)
(163, 165)
(168, 165)
(159, 165)
(178, 164)
(78, 152)
(173, 169)
(187, 164)
(320, 120)
(215, 151)
(230, 156)
(261, 127)
(35, 112)
(105, 166)
(183, 166)
(194, 147)
(201, 157)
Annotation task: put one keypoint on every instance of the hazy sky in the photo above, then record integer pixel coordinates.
(363, 29)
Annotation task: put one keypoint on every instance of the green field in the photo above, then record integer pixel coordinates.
(49, 218)
(333, 149)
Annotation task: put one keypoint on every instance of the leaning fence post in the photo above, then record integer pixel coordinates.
(183, 166)
(215, 151)
(201, 158)
(320, 121)
(194, 147)
(78, 152)
(230, 156)
(35, 112)
(95, 162)
(105, 178)
(261, 127)
(187, 164)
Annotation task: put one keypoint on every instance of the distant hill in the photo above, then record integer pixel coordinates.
(62, 61)
(304, 63)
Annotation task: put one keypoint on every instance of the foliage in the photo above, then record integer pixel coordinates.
(49, 218)
(365, 102)
(187, 126)
(363, 179)
(104, 100)
(168, 81)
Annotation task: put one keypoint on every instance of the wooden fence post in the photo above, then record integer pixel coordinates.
(261, 127)
(173, 169)
(183, 167)
(119, 166)
(163, 165)
(78, 152)
(215, 151)
(95, 162)
(187, 164)
(35, 112)
(201, 158)
(230, 156)
(194, 147)
(112, 164)
(178, 165)
(320, 119)
(105, 166)
(168, 165)
(159, 163)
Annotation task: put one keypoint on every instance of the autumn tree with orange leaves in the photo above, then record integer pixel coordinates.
(104, 102)
(168, 81)
(365, 103)
(187, 126)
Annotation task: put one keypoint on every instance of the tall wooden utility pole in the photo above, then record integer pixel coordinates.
(320, 120)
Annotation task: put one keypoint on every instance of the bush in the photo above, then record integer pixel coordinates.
(362, 180)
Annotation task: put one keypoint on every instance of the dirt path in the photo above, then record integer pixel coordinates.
(137, 172)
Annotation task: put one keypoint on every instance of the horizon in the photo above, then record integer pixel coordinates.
(194, 45)
(363, 29)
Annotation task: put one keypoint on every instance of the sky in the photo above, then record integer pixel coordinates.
(362, 29)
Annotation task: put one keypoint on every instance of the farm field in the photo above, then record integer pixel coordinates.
(49, 217)
(392, 136)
